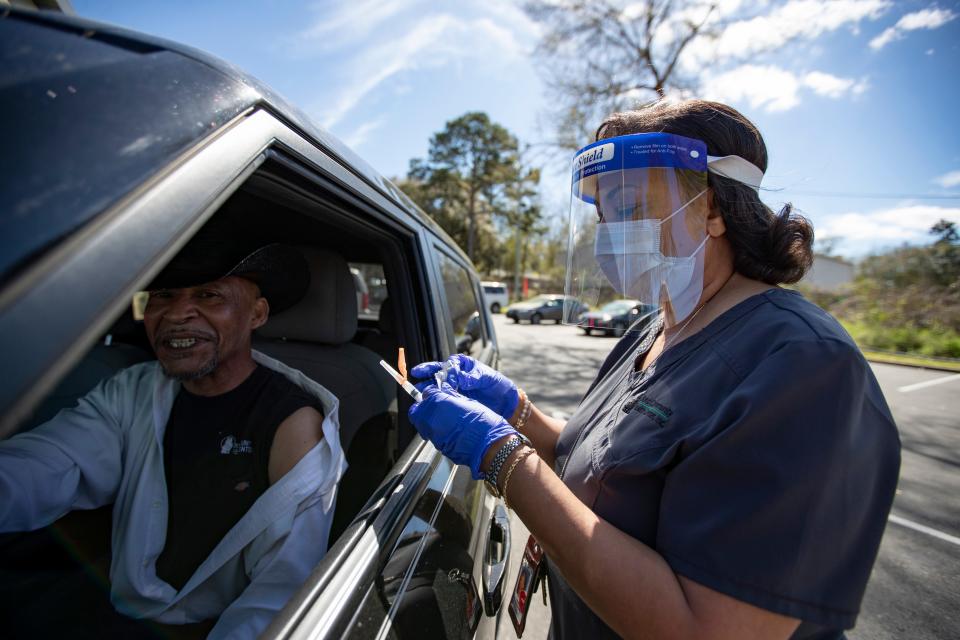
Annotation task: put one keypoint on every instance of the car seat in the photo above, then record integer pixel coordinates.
(314, 336)
(382, 340)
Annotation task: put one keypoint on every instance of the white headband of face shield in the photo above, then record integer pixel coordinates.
(736, 168)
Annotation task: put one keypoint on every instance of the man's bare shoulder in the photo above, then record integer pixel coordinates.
(297, 434)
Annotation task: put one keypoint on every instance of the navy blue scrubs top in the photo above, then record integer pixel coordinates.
(758, 457)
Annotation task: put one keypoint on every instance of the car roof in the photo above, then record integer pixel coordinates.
(94, 110)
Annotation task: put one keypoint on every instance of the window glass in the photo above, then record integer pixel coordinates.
(464, 307)
(371, 288)
(427, 586)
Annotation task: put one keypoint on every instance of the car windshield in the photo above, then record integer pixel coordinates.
(538, 300)
(618, 306)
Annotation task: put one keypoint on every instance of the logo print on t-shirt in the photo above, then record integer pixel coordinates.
(232, 446)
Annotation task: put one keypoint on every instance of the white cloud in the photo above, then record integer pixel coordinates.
(795, 19)
(931, 18)
(948, 180)
(351, 21)
(766, 87)
(406, 38)
(775, 89)
(360, 134)
(832, 86)
(742, 38)
(861, 232)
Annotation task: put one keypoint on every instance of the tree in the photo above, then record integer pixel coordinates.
(602, 56)
(523, 214)
(946, 232)
(826, 245)
(469, 166)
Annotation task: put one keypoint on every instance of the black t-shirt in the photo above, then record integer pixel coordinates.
(758, 457)
(216, 450)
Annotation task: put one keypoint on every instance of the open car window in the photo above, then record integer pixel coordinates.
(336, 345)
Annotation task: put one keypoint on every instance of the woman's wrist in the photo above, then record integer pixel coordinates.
(521, 399)
(515, 460)
(522, 413)
(492, 451)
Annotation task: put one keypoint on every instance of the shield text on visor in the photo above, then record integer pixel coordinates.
(637, 225)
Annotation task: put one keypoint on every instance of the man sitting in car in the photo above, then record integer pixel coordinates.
(222, 464)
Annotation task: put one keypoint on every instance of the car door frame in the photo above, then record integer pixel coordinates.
(96, 271)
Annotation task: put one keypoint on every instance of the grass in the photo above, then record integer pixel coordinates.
(910, 360)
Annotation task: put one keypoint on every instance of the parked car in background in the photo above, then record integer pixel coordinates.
(473, 332)
(544, 307)
(121, 148)
(497, 295)
(613, 318)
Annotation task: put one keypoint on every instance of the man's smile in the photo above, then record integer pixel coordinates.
(182, 342)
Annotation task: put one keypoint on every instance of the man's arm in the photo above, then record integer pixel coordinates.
(295, 436)
(73, 461)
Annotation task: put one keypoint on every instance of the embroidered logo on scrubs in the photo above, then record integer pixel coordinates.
(653, 409)
(230, 446)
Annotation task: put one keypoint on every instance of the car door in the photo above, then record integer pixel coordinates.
(427, 521)
(433, 561)
(430, 549)
(552, 310)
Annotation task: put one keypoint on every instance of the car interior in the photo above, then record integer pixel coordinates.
(336, 334)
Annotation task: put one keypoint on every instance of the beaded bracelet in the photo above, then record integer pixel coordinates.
(513, 465)
(525, 413)
(521, 402)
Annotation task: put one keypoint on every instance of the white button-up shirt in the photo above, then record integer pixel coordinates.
(109, 449)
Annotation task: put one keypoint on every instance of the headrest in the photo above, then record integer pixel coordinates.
(327, 313)
(385, 319)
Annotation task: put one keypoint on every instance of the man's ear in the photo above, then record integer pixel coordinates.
(716, 227)
(261, 311)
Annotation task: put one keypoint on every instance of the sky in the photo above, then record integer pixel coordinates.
(856, 99)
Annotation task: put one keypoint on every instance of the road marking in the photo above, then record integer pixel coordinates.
(928, 383)
(903, 522)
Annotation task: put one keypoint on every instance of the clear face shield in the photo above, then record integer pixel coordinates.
(637, 227)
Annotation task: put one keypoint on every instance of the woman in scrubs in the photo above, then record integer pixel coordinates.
(730, 470)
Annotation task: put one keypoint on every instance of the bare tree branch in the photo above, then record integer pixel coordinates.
(597, 57)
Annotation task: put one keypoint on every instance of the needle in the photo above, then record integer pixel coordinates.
(409, 388)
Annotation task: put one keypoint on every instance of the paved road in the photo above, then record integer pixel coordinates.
(915, 588)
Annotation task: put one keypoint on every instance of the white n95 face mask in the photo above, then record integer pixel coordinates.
(629, 254)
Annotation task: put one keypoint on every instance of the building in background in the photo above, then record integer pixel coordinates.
(828, 273)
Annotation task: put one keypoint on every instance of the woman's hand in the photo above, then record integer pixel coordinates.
(461, 428)
(475, 380)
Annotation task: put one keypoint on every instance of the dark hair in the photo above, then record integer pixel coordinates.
(772, 247)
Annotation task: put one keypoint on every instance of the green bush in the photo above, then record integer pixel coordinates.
(927, 342)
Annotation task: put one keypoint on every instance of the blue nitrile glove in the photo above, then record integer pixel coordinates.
(461, 428)
(475, 380)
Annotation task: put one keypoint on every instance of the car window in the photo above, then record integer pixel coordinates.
(464, 306)
(374, 414)
(371, 287)
(618, 306)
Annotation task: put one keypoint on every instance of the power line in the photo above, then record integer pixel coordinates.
(877, 196)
